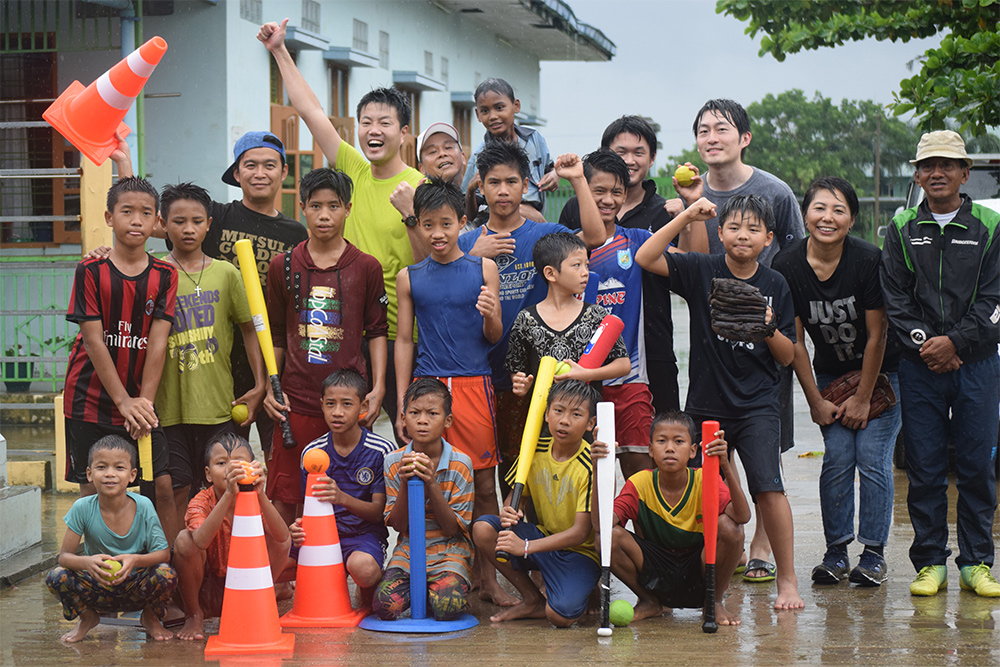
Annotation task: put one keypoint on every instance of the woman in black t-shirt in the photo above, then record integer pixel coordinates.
(834, 280)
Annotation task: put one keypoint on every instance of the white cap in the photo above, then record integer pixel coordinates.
(434, 128)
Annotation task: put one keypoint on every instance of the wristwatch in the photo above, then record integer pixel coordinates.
(410, 221)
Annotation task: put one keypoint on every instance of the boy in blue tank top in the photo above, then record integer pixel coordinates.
(449, 293)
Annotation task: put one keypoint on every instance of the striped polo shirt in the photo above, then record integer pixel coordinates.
(444, 554)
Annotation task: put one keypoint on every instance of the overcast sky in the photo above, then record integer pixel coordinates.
(673, 55)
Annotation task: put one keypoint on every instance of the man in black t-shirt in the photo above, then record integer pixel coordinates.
(259, 169)
(634, 140)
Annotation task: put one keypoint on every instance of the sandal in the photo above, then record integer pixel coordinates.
(756, 564)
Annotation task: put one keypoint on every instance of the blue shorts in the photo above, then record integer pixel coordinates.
(569, 575)
(365, 543)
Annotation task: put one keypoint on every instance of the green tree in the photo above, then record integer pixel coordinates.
(799, 140)
(960, 79)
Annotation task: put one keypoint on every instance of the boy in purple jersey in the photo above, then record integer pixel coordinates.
(354, 483)
(448, 293)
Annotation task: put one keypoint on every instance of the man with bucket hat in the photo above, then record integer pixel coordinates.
(941, 278)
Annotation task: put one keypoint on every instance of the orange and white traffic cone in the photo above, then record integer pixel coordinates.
(89, 117)
(249, 622)
(321, 596)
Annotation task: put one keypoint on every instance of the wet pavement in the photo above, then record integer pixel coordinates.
(839, 625)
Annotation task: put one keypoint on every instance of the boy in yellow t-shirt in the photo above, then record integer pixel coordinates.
(561, 546)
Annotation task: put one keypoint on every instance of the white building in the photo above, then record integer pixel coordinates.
(216, 82)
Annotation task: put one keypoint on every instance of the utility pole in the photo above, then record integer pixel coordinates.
(876, 218)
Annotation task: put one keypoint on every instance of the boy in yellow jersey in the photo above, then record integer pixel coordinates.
(663, 561)
(561, 546)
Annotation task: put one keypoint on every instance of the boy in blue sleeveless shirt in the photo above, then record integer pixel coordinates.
(447, 293)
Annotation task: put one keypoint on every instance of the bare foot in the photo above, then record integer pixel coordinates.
(194, 628)
(723, 617)
(365, 596)
(496, 594)
(788, 595)
(534, 609)
(284, 591)
(153, 626)
(647, 609)
(88, 619)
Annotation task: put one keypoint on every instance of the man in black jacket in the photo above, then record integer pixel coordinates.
(941, 277)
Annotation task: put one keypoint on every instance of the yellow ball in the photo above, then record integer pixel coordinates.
(563, 367)
(112, 566)
(240, 413)
(684, 174)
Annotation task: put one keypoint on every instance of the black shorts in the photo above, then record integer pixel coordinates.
(756, 439)
(186, 444)
(81, 435)
(673, 576)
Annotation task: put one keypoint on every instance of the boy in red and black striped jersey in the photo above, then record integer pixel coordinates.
(124, 305)
(663, 560)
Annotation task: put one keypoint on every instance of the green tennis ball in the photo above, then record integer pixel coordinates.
(563, 367)
(112, 566)
(684, 174)
(240, 412)
(621, 613)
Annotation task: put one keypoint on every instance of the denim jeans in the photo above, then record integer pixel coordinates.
(869, 451)
(960, 406)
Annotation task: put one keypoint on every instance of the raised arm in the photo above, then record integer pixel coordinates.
(650, 255)
(302, 97)
(592, 229)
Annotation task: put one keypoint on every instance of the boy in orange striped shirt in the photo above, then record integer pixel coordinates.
(448, 489)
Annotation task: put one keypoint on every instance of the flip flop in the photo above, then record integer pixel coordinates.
(758, 564)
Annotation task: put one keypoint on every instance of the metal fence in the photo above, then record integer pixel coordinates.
(34, 334)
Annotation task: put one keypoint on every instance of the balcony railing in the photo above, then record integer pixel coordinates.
(34, 334)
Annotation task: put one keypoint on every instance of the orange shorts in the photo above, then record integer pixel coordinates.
(474, 427)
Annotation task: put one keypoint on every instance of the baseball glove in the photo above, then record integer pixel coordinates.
(883, 397)
(738, 311)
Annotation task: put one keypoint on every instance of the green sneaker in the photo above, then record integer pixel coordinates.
(978, 578)
(930, 580)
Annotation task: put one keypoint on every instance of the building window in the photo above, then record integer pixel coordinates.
(444, 70)
(428, 63)
(360, 36)
(310, 15)
(338, 91)
(252, 10)
(462, 120)
(383, 49)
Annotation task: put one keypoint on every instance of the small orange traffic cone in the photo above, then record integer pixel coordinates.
(321, 596)
(249, 621)
(89, 117)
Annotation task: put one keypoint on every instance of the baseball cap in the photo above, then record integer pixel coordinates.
(434, 128)
(941, 143)
(247, 142)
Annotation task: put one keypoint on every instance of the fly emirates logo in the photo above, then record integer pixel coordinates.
(124, 338)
